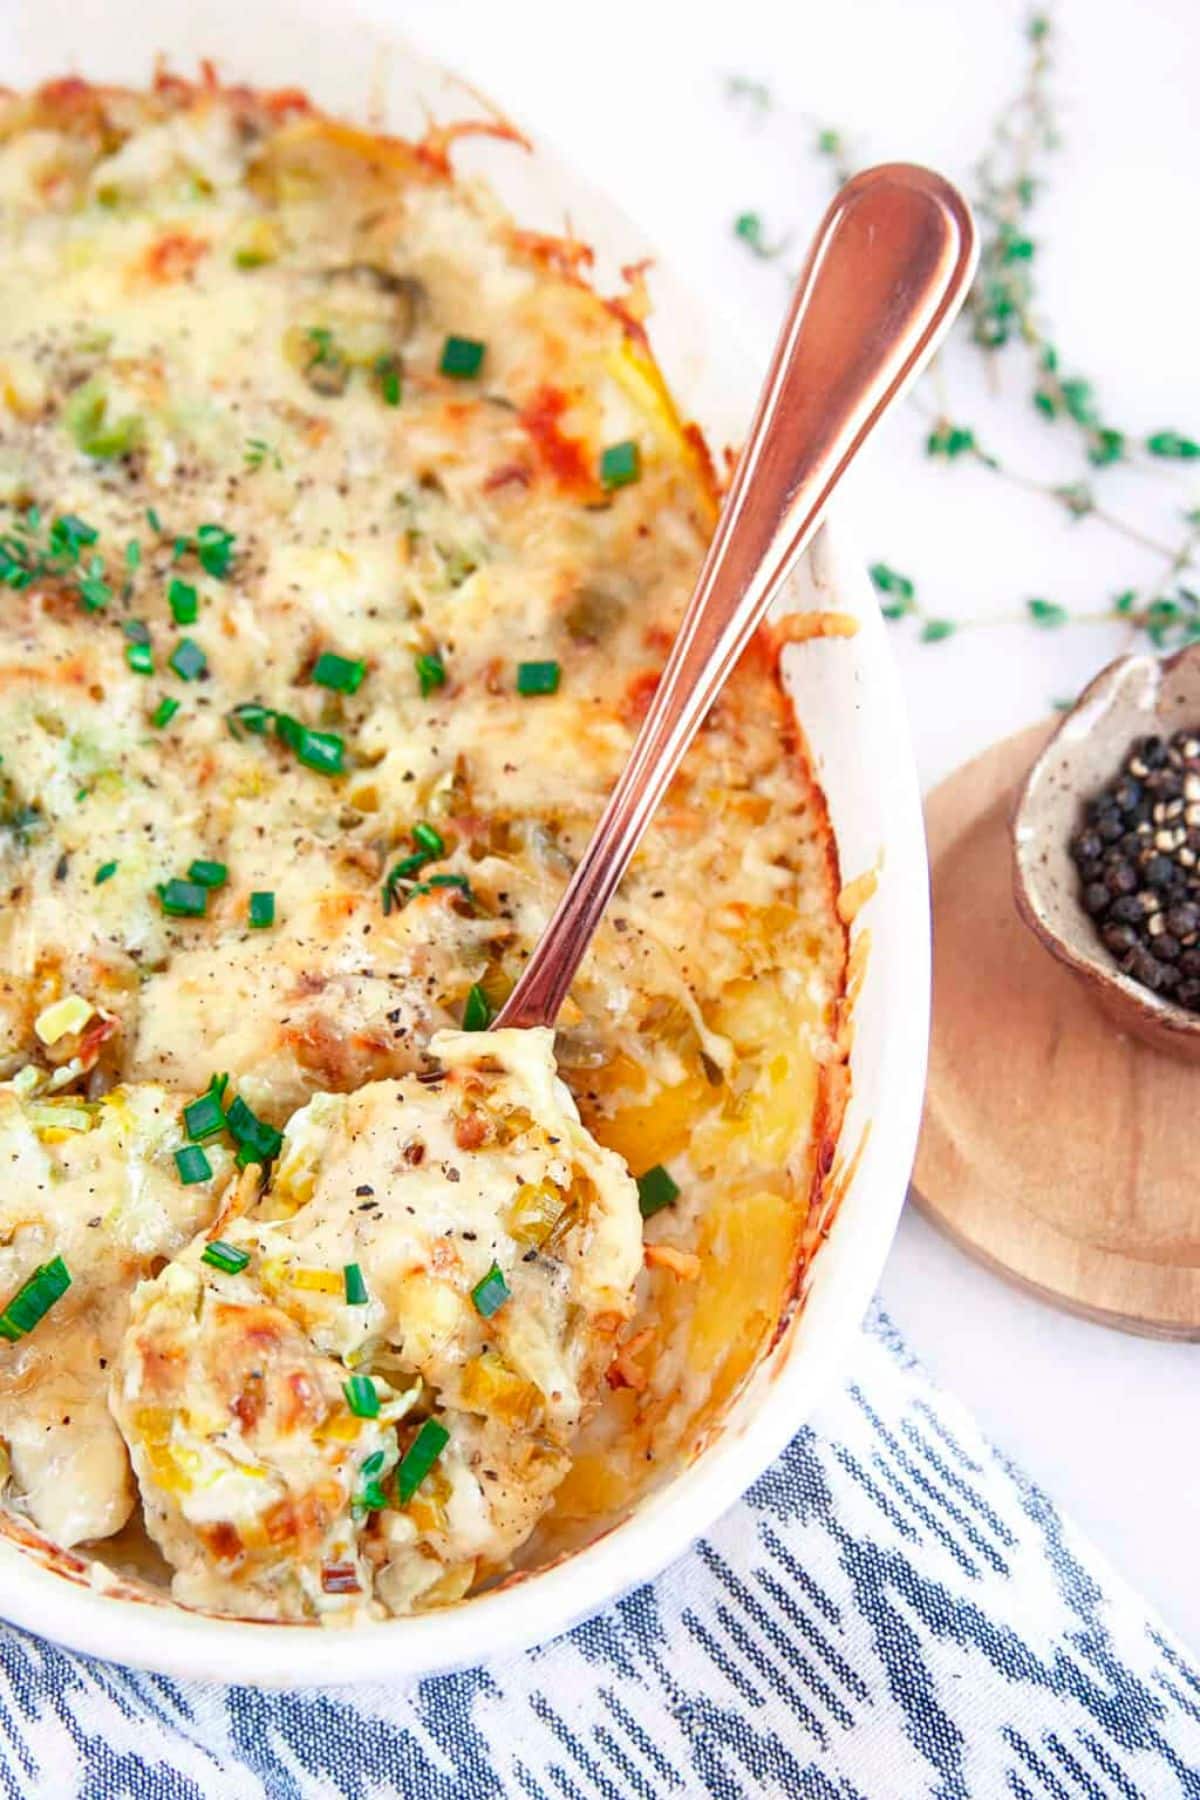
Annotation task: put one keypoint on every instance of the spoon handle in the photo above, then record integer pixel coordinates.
(886, 274)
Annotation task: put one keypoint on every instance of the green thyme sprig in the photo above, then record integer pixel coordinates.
(1003, 314)
(748, 226)
(755, 96)
(898, 600)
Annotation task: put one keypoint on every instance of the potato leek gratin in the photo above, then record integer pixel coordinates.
(343, 533)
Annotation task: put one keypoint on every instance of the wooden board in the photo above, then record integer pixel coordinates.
(1060, 1152)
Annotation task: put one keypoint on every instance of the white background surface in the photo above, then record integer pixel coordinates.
(634, 95)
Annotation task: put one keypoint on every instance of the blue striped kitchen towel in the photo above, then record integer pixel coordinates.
(894, 1611)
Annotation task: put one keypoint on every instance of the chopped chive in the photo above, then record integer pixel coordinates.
(214, 549)
(321, 750)
(258, 451)
(656, 1189)
(462, 357)
(137, 631)
(428, 838)
(204, 1117)
(208, 874)
(261, 913)
(538, 677)
(477, 1013)
(94, 591)
(387, 369)
(356, 1287)
(153, 520)
(431, 672)
(620, 464)
(104, 873)
(33, 1300)
(164, 712)
(489, 1295)
(69, 535)
(252, 716)
(436, 881)
(339, 673)
(323, 347)
(193, 1165)
(133, 554)
(188, 660)
(362, 1396)
(183, 899)
(419, 1458)
(408, 866)
(256, 1140)
(184, 602)
(229, 1258)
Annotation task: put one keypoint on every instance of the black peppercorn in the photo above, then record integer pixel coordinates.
(1137, 854)
(1120, 878)
(1183, 919)
(1118, 938)
(1144, 967)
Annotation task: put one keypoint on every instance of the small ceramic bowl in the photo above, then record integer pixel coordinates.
(1136, 696)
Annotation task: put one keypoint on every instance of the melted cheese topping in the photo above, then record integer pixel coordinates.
(95, 1182)
(239, 432)
(497, 1245)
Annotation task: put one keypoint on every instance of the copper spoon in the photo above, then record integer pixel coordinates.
(887, 272)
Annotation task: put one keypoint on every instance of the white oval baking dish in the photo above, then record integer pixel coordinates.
(848, 699)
